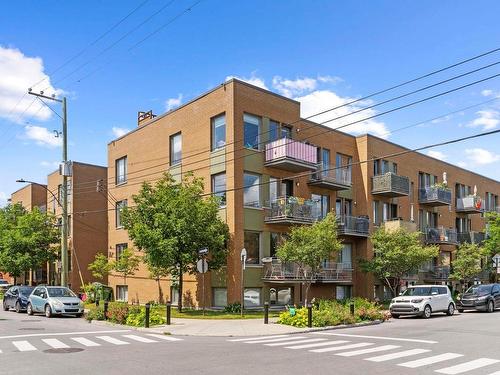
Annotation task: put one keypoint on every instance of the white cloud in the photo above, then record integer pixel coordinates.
(3, 199)
(49, 164)
(18, 73)
(173, 102)
(253, 80)
(119, 132)
(437, 154)
(487, 92)
(298, 86)
(329, 79)
(487, 119)
(42, 136)
(480, 156)
(462, 164)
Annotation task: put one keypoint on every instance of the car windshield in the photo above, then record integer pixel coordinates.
(25, 291)
(479, 289)
(60, 292)
(419, 291)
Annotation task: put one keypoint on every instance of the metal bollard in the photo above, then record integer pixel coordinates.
(309, 316)
(97, 302)
(106, 310)
(169, 312)
(146, 321)
(266, 312)
(351, 308)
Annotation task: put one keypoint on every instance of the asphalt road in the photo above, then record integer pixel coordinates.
(466, 343)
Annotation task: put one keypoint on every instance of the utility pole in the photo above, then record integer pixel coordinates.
(65, 171)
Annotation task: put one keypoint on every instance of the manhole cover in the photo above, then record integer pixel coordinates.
(31, 329)
(63, 350)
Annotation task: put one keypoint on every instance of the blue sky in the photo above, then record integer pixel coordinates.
(323, 53)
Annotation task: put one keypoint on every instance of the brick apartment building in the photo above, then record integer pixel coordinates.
(238, 135)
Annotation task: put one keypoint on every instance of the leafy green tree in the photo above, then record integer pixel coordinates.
(309, 246)
(467, 262)
(172, 221)
(492, 242)
(396, 253)
(126, 264)
(101, 266)
(27, 239)
(157, 273)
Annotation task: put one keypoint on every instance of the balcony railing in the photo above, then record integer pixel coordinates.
(437, 273)
(331, 177)
(358, 226)
(290, 210)
(441, 235)
(434, 196)
(391, 185)
(276, 271)
(471, 237)
(291, 155)
(470, 205)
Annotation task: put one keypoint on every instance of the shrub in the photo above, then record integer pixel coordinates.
(89, 290)
(118, 312)
(233, 308)
(95, 313)
(137, 317)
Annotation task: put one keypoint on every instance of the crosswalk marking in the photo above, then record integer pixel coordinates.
(84, 341)
(369, 350)
(112, 340)
(23, 346)
(339, 348)
(430, 360)
(468, 366)
(375, 337)
(55, 343)
(139, 338)
(164, 337)
(495, 373)
(306, 346)
(405, 353)
(259, 338)
(294, 342)
(274, 340)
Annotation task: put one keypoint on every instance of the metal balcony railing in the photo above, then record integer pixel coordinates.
(471, 237)
(438, 273)
(331, 177)
(277, 271)
(290, 210)
(391, 185)
(353, 225)
(291, 155)
(471, 204)
(441, 235)
(434, 196)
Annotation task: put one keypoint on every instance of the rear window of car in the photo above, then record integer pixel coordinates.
(443, 290)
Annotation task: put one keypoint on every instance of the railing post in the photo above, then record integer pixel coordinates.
(169, 312)
(146, 321)
(309, 316)
(266, 312)
(351, 308)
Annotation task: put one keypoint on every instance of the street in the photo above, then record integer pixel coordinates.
(467, 343)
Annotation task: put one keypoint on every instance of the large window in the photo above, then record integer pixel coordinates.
(120, 205)
(122, 293)
(252, 297)
(175, 148)
(219, 187)
(274, 130)
(251, 190)
(120, 248)
(273, 189)
(345, 255)
(251, 131)
(280, 296)
(321, 205)
(220, 297)
(343, 292)
(121, 170)
(345, 161)
(252, 245)
(218, 132)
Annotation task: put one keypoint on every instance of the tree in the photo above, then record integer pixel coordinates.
(101, 266)
(309, 246)
(157, 273)
(467, 262)
(27, 239)
(396, 253)
(172, 221)
(126, 264)
(492, 242)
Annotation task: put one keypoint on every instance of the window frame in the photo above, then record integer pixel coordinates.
(256, 146)
(213, 128)
(259, 238)
(118, 207)
(258, 187)
(118, 295)
(123, 180)
(119, 248)
(172, 160)
(223, 201)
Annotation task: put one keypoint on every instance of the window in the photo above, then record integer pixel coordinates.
(274, 128)
(273, 189)
(376, 212)
(286, 132)
(121, 170)
(118, 212)
(275, 242)
(251, 190)
(343, 292)
(218, 132)
(343, 173)
(120, 248)
(345, 255)
(252, 245)
(122, 293)
(220, 297)
(286, 188)
(389, 211)
(280, 296)
(321, 205)
(175, 148)
(252, 297)
(251, 131)
(219, 187)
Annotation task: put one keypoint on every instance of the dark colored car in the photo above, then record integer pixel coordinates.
(17, 298)
(485, 297)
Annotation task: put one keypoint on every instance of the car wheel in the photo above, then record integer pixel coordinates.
(395, 316)
(427, 312)
(5, 307)
(29, 309)
(48, 311)
(491, 307)
(451, 309)
(460, 310)
(18, 307)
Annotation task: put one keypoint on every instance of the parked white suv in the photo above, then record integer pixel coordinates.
(423, 300)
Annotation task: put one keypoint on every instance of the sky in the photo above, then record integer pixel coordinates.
(321, 53)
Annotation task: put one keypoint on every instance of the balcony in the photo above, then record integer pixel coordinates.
(353, 226)
(471, 237)
(329, 177)
(289, 211)
(437, 273)
(390, 185)
(276, 271)
(434, 196)
(470, 205)
(291, 155)
(441, 236)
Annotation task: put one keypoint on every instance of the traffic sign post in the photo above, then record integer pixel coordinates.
(243, 258)
(202, 267)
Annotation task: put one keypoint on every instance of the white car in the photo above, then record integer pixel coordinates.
(423, 300)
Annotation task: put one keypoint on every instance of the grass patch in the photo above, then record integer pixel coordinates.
(214, 314)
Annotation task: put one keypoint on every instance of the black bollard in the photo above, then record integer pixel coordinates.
(146, 321)
(97, 302)
(266, 312)
(351, 308)
(169, 312)
(105, 310)
(309, 316)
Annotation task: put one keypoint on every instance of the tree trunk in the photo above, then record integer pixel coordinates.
(179, 304)
(15, 279)
(160, 291)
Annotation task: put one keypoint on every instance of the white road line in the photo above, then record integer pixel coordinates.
(164, 337)
(430, 360)
(343, 347)
(468, 366)
(55, 343)
(112, 340)
(65, 333)
(23, 346)
(375, 337)
(139, 338)
(294, 342)
(406, 353)
(369, 350)
(495, 373)
(258, 338)
(84, 341)
(317, 344)
(275, 340)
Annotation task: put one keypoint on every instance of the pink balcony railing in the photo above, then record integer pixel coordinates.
(286, 148)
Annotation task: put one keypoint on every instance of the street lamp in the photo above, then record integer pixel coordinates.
(23, 181)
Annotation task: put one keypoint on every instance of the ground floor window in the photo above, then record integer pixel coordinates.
(122, 293)
(343, 292)
(252, 297)
(280, 296)
(220, 297)
(174, 295)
